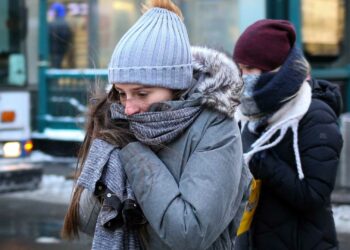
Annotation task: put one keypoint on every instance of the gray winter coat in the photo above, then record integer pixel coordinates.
(194, 190)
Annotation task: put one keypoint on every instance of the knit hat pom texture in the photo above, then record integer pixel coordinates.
(155, 51)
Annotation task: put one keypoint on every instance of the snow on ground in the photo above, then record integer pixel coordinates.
(342, 218)
(57, 189)
(53, 189)
(37, 157)
(47, 240)
(61, 134)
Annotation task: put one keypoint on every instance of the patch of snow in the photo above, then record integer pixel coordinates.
(52, 189)
(60, 134)
(342, 218)
(37, 157)
(47, 240)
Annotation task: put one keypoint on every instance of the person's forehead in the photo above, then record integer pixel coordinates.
(131, 86)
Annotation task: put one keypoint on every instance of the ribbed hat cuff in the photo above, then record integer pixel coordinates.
(172, 77)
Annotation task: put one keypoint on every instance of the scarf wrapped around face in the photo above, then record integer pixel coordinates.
(265, 93)
(163, 123)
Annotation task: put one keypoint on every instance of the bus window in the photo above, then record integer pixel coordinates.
(323, 27)
(12, 30)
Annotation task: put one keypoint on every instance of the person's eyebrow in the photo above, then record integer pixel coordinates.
(135, 89)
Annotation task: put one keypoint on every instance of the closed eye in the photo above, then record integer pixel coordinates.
(142, 94)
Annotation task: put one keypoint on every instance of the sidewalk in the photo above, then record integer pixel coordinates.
(341, 206)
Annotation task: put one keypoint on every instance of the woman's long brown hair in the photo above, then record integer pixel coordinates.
(99, 125)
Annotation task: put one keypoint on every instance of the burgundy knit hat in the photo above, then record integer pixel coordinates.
(265, 44)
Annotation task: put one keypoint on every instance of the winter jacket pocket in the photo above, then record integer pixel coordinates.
(89, 208)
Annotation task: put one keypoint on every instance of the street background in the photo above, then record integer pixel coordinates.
(33, 219)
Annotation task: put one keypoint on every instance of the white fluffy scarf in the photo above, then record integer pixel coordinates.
(288, 116)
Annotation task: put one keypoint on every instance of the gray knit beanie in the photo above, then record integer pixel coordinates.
(155, 52)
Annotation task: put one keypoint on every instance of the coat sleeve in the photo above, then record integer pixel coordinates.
(192, 213)
(320, 143)
(89, 208)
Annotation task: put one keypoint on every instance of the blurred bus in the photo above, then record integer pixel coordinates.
(15, 130)
(15, 100)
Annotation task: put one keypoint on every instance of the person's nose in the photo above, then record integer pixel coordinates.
(251, 71)
(247, 71)
(131, 107)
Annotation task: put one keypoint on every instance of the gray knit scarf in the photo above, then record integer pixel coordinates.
(102, 168)
(162, 124)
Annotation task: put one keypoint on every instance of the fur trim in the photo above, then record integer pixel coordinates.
(222, 86)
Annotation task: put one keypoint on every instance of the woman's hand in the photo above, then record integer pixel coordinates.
(263, 163)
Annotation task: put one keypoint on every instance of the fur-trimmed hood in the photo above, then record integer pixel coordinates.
(217, 79)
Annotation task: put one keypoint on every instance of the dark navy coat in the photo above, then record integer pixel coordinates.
(292, 213)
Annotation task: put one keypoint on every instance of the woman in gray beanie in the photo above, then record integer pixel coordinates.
(291, 140)
(162, 154)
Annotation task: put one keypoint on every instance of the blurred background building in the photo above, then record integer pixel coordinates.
(53, 53)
